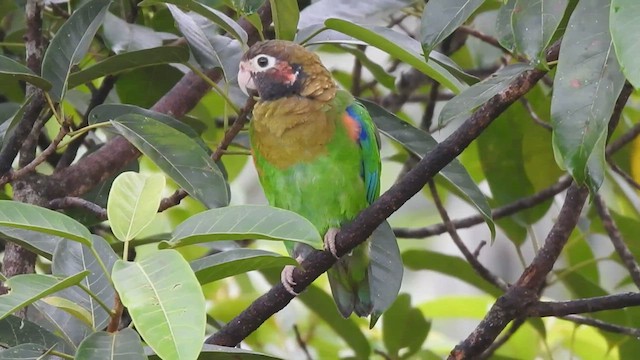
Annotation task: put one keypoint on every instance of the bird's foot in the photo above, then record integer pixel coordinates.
(286, 277)
(330, 242)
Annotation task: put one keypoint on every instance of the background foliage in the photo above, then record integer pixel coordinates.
(132, 225)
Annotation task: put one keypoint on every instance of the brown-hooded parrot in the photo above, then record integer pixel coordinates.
(316, 151)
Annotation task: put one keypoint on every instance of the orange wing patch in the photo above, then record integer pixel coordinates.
(352, 125)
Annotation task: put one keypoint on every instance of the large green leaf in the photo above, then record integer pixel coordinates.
(442, 17)
(420, 143)
(128, 61)
(215, 352)
(71, 43)
(323, 306)
(404, 327)
(72, 257)
(218, 17)
(385, 270)
(624, 26)
(197, 40)
(27, 351)
(236, 261)
(285, 18)
(40, 243)
(133, 203)
(178, 156)
(19, 215)
(122, 345)
(71, 329)
(399, 46)
(464, 104)
(15, 331)
(11, 69)
(165, 302)
(121, 36)
(28, 288)
(534, 24)
(245, 222)
(587, 83)
(449, 265)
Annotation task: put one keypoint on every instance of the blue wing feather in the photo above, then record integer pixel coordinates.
(370, 147)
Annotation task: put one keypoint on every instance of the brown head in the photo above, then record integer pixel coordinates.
(278, 69)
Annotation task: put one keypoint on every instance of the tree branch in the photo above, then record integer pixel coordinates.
(354, 233)
(580, 306)
(602, 325)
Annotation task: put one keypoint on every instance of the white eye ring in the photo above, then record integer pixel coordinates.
(263, 62)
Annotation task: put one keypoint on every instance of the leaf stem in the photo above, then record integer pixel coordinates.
(97, 299)
(215, 87)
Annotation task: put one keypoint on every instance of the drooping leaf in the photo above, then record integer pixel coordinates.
(11, 69)
(420, 143)
(385, 270)
(587, 83)
(441, 17)
(122, 345)
(285, 18)
(165, 302)
(128, 61)
(245, 222)
(145, 86)
(399, 46)
(217, 17)
(404, 327)
(40, 243)
(236, 261)
(197, 40)
(624, 26)
(534, 24)
(70, 307)
(464, 104)
(71, 43)
(70, 258)
(133, 203)
(19, 215)
(449, 265)
(27, 288)
(15, 331)
(121, 36)
(178, 156)
(504, 26)
(323, 306)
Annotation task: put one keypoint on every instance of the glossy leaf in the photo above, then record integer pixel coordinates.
(504, 27)
(442, 17)
(27, 288)
(404, 327)
(463, 105)
(217, 17)
(60, 322)
(385, 270)
(122, 36)
(285, 18)
(122, 345)
(449, 265)
(178, 156)
(624, 27)
(133, 203)
(323, 306)
(70, 258)
(420, 143)
(534, 24)
(37, 242)
(399, 46)
(71, 43)
(19, 215)
(236, 261)
(11, 69)
(24, 352)
(587, 83)
(15, 331)
(128, 61)
(245, 222)
(165, 302)
(197, 40)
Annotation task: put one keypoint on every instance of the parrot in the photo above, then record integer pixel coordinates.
(317, 153)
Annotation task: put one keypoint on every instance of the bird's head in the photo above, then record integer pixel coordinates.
(275, 69)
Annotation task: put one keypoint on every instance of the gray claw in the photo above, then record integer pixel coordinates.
(330, 242)
(286, 277)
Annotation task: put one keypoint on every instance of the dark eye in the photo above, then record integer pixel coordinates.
(263, 61)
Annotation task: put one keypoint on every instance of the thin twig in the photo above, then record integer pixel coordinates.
(80, 203)
(301, 342)
(485, 273)
(534, 116)
(624, 139)
(483, 37)
(626, 177)
(175, 198)
(581, 306)
(603, 325)
(619, 245)
(504, 211)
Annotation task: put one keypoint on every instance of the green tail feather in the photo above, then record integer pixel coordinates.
(349, 282)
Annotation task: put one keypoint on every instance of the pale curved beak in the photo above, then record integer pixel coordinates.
(245, 79)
